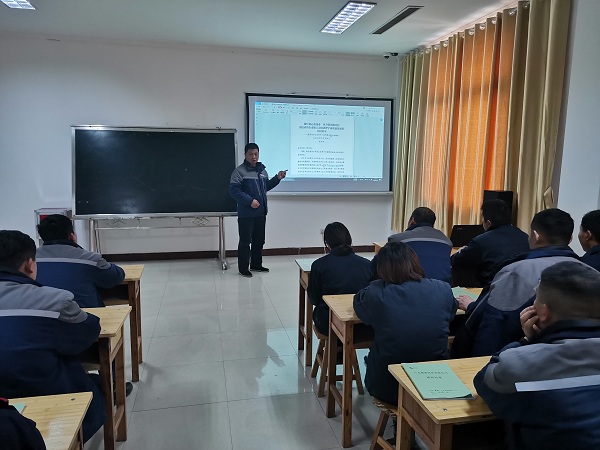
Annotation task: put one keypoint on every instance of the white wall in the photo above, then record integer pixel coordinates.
(46, 86)
(580, 171)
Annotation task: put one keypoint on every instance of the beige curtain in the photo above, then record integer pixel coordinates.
(480, 111)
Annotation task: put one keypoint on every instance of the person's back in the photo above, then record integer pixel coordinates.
(500, 242)
(42, 330)
(493, 320)
(431, 245)
(544, 387)
(589, 238)
(411, 319)
(339, 272)
(65, 265)
(17, 432)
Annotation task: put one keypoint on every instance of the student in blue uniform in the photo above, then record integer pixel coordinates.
(341, 271)
(589, 238)
(65, 265)
(410, 314)
(42, 330)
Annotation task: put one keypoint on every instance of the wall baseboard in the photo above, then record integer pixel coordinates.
(125, 257)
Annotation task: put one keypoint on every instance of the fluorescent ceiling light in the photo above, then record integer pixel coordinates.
(347, 16)
(18, 4)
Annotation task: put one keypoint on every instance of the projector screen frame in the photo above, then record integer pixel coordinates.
(389, 136)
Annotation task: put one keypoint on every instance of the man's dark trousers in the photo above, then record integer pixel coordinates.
(252, 231)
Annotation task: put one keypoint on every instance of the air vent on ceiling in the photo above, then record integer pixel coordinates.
(397, 18)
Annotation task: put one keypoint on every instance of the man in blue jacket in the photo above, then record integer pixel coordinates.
(42, 330)
(546, 387)
(500, 242)
(65, 265)
(248, 186)
(492, 321)
(589, 238)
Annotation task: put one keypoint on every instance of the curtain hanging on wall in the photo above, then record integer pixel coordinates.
(480, 111)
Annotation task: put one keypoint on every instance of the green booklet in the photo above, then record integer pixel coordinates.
(437, 381)
(19, 406)
(462, 291)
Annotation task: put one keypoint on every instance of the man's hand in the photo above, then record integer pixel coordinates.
(464, 301)
(281, 174)
(529, 322)
(255, 204)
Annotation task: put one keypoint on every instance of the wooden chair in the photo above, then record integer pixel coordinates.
(321, 359)
(387, 411)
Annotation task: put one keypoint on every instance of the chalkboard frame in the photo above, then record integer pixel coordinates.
(75, 128)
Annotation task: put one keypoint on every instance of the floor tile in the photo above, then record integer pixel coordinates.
(265, 377)
(164, 387)
(184, 350)
(255, 344)
(249, 319)
(189, 323)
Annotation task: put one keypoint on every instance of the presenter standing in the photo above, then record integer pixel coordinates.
(248, 186)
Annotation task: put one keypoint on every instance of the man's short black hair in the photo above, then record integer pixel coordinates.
(591, 222)
(555, 225)
(250, 146)
(496, 211)
(15, 249)
(571, 290)
(423, 215)
(337, 235)
(55, 227)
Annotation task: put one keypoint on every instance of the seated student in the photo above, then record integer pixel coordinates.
(42, 330)
(17, 432)
(431, 246)
(546, 386)
(492, 321)
(500, 242)
(409, 313)
(65, 265)
(339, 272)
(589, 238)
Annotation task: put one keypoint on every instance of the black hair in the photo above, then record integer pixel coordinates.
(397, 263)
(423, 215)
(554, 225)
(15, 248)
(496, 211)
(55, 227)
(591, 222)
(571, 290)
(250, 146)
(337, 235)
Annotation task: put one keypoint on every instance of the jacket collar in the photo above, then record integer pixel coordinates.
(418, 225)
(259, 167)
(62, 242)
(595, 250)
(568, 329)
(342, 251)
(552, 250)
(7, 274)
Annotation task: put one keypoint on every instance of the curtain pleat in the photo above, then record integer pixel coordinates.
(480, 111)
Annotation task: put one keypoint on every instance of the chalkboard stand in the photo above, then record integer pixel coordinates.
(199, 221)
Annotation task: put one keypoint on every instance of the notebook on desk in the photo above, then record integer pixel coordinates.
(437, 382)
(463, 234)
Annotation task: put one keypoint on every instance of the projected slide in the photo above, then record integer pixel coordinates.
(326, 144)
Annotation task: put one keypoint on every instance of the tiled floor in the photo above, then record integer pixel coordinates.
(222, 370)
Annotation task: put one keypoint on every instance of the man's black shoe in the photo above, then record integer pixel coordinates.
(128, 388)
(259, 269)
(245, 273)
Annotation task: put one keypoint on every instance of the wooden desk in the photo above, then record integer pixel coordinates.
(58, 418)
(110, 348)
(341, 326)
(128, 293)
(434, 419)
(305, 311)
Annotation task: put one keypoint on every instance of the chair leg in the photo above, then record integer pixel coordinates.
(319, 355)
(379, 430)
(357, 377)
(324, 370)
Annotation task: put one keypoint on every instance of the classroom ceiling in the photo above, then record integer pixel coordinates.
(282, 25)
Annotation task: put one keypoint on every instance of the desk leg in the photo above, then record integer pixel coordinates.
(135, 329)
(404, 432)
(443, 437)
(301, 315)
(308, 329)
(332, 341)
(121, 416)
(348, 350)
(106, 377)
